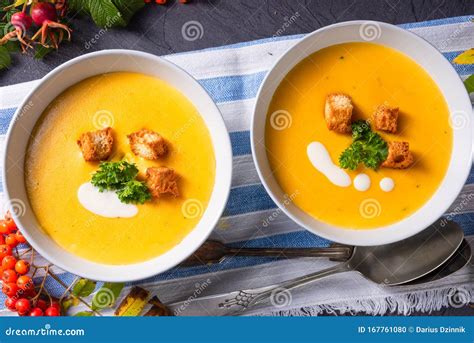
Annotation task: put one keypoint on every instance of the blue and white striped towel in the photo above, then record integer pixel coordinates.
(232, 75)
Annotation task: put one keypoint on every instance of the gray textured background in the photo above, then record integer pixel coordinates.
(157, 29)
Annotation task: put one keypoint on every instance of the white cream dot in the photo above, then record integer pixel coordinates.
(387, 184)
(362, 182)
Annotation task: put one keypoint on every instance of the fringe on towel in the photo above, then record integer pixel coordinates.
(424, 301)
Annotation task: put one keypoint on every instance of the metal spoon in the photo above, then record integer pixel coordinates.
(391, 264)
(215, 252)
(460, 258)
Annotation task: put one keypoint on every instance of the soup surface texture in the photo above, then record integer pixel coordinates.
(372, 75)
(55, 168)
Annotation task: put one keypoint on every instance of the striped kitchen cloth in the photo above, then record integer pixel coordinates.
(232, 74)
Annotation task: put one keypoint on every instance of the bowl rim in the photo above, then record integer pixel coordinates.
(364, 237)
(220, 201)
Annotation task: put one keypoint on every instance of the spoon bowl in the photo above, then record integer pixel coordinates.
(407, 260)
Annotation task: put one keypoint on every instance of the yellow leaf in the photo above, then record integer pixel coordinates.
(18, 3)
(133, 303)
(467, 57)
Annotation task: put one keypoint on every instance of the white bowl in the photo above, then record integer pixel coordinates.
(441, 72)
(50, 87)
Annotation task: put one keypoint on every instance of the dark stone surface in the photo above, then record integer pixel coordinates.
(157, 29)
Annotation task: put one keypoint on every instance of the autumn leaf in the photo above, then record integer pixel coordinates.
(467, 57)
(133, 303)
(158, 309)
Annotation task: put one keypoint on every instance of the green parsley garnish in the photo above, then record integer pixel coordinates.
(134, 192)
(121, 177)
(113, 175)
(367, 147)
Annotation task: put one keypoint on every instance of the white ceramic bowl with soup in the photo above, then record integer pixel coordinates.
(44, 167)
(297, 155)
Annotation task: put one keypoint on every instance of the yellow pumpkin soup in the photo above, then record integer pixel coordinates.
(298, 136)
(55, 168)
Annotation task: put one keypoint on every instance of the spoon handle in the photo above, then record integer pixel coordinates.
(336, 252)
(215, 252)
(244, 299)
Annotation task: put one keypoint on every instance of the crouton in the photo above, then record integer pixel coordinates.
(399, 156)
(96, 145)
(338, 112)
(386, 118)
(161, 181)
(148, 144)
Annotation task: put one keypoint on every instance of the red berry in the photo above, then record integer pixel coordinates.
(19, 237)
(7, 226)
(9, 275)
(5, 250)
(22, 267)
(11, 240)
(10, 289)
(56, 305)
(43, 305)
(52, 312)
(8, 262)
(2, 239)
(36, 312)
(21, 20)
(22, 305)
(10, 304)
(42, 12)
(3, 227)
(24, 282)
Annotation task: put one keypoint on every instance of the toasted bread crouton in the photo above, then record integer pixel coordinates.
(386, 118)
(148, 144)
(96, 145)
(338, 112)
(399, 156)
(161, 181)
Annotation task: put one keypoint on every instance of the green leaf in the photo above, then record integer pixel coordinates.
(42, 51)
(128, 8)
(83, 287)
(84, 314)
(105, 13)
(5, 58)
(107, 295)
(79, 6)
(69, 302)
(469, 83)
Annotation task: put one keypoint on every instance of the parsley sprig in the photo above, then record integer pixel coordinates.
(134, 192)
(121, 178)
(367, 147)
